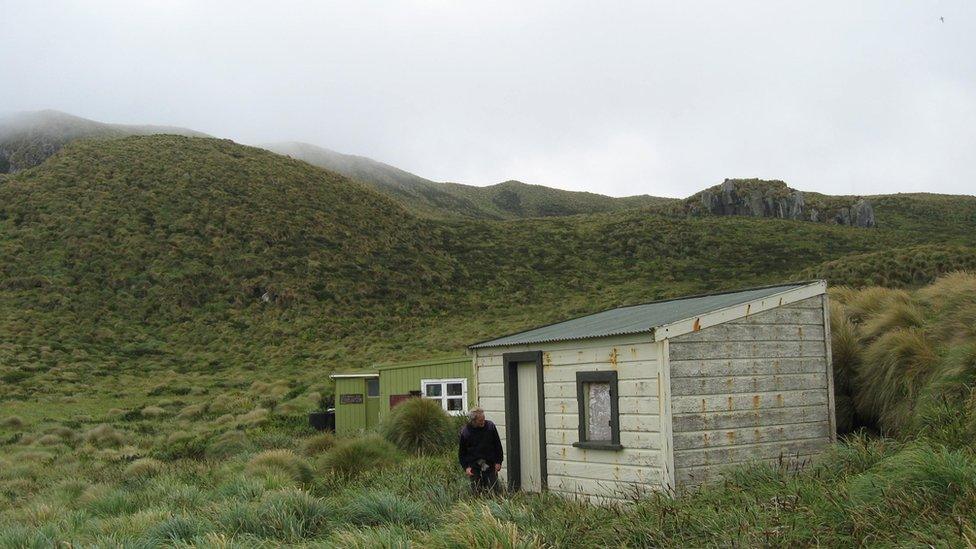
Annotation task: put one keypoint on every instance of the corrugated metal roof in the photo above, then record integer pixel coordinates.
(636, 318)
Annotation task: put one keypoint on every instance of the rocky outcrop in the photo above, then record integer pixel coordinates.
(762, 198)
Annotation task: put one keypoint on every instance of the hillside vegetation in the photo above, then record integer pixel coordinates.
(29, 138)
(233, 464)
(170, 308)
(508, 200)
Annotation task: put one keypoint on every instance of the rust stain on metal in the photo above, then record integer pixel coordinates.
(755, 401)
(705, 439)
(731, 405)
(799, 332)
(696, 326)
(757, 434)
(546, 361)
(613, 357)
(731, 436)
(779, 399)
(704, 406)
(781, 302)
(748, 308)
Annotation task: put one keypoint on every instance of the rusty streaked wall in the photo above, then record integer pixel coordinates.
(753, 388)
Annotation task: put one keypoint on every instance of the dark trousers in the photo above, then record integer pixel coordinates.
(484, 482)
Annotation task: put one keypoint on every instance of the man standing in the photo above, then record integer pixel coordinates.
(480, 452)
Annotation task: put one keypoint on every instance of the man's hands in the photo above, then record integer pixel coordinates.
(470, 473)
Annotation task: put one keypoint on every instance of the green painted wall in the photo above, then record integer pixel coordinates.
(400, 379)
(394, 379)
(352, 418)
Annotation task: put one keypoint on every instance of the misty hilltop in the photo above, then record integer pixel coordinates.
(28, 138)
(507, 200)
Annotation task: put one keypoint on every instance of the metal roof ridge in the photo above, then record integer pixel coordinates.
(695, 296)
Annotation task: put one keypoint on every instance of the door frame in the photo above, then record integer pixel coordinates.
(510, 362)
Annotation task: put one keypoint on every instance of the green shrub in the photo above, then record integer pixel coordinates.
(318, 444)
(282, 460)
(477, 527)
(419, 426)
(376, 508)
(354, 456)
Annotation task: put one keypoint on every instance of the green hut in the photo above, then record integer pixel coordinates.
(364, 398)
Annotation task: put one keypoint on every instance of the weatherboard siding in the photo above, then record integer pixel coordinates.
(592, 474)
(756, 388)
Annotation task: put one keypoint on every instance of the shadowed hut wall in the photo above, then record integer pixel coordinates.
(753, 388)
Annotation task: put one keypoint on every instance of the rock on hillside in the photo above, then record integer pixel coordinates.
(762, 198)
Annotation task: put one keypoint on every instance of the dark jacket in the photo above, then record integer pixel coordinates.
(475, 444)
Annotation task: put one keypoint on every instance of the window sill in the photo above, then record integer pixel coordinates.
(598, 446)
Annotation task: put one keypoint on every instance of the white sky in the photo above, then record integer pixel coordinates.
(618, 98)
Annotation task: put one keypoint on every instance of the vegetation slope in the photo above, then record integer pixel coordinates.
(508, 200)
(170, 307)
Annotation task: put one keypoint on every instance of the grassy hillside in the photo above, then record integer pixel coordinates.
(508, 200)
(170, 307)
(29, 138)
(189, 463)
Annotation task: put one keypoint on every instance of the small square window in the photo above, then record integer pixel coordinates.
(433, 390)
(373, 387)
(454, 389)
(455, 404)
(599, 416)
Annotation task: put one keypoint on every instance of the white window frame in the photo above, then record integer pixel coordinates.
(444, 397)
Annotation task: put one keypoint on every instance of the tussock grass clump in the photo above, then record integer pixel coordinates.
(49, 440)
(174, 530)
(475, 526)
(254, 418)
(354, 456)
(282, 460)
(419, 426)
(376, 508)
(192, 411)
(152, 411)
(13, 422)
(939, 475)
(286, 515)
(228, 444)
(142, 469)
(896, 365)
(104, 436)
(230, 403)
(318, 444)
(871, 301)
(952, 300)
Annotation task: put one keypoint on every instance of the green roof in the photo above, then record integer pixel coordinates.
(637, 318)
(424, 362)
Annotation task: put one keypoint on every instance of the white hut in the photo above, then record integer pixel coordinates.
(662, 395)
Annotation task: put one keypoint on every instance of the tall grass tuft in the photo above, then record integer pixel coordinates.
(104, 436)
(376, 508)
(318, 444)
(895, 368)
(286, 461)
(354, 456)
(142, 469)
(419, 426)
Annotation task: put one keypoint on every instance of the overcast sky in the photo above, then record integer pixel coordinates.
(618, 98)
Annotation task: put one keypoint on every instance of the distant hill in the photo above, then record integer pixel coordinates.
(29, 138)
(192, 253)
(508, 200)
